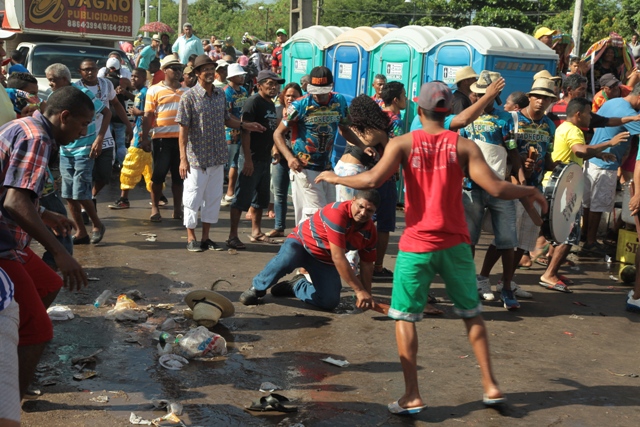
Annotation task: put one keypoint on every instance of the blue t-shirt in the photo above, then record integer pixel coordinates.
(617, 107)
(495, 128)
(235, 103)
(314, 128)
(81, 147)
(538, 134)
(416, 124)
(138, 103)
(147, 55)
(17, 68)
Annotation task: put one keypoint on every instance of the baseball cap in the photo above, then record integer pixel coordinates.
(281, 31)
(113, 63)
(609, 80)
(321, 81)
(544, 31)
(433, 93)
(268, 74)
(235, 70)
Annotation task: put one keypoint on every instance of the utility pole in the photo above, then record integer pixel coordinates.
(318, 11)
(146, 16)
(182, 14)
(159, 9)
(577, 27)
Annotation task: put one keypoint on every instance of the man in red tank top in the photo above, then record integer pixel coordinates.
(436, 239)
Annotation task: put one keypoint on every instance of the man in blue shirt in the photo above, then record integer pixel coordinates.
(187, 44)
(601, 176)
(148, 53)
(313, 120)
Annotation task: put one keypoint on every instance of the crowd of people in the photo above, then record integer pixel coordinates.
(195, 119)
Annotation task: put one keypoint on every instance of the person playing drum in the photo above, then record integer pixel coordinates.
(569, 146)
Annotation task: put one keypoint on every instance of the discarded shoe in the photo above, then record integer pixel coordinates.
(272, 402)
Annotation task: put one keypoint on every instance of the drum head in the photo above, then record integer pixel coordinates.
(564, 194)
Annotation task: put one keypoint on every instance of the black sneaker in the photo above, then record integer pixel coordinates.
(194, 246)
(285, 288)
(252, 296)
(384, 274)
(121, 203)
(210, 245)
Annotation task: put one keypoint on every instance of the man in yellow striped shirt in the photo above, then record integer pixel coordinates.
(160, 110)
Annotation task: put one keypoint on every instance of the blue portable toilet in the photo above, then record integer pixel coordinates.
(399, 56)
(347, 56)
(305, 50)
(515, 55)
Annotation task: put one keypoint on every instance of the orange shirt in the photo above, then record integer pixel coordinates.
(601, 98)
(164, 102)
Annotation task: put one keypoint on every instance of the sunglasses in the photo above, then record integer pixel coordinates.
(175, 68)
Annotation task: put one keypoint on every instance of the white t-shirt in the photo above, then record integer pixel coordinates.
(105, 92)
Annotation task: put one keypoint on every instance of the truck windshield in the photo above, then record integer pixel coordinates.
(71, 56)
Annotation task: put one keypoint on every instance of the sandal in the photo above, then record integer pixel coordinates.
(272, 402)
(432, 311)
(235, 243)
(155, 218)
(275, 233)
(559, 286)
(565, 279)
(263, 238)
(542, 260)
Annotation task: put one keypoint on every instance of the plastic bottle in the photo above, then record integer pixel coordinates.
(102, 299)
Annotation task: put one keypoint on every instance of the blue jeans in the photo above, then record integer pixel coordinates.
(119, 131)
(52, 202)
(280, 180)
(326, 291)
(503, 217)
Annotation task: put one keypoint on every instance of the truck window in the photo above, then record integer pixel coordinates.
(71, 56)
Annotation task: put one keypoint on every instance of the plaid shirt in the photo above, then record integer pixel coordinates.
(25, 148)
(204, 115)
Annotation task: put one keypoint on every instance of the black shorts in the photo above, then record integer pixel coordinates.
(166, 156)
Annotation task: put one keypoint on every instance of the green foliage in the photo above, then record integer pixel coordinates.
(235, 17)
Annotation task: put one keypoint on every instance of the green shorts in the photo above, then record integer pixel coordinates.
(414, 273)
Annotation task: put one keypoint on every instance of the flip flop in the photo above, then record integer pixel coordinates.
(559, 286)
(275, 233)
(272, 402)
(542, 260)
(565, 279)
(493, 402)
(263, 238)
(235, 243)
(395, 408)
(155, 218)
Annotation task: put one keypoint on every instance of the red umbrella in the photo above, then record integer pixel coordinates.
(156, 27)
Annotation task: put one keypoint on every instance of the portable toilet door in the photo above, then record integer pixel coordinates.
(304, 50)
(399, 57)
(515, 55)
(347, 56)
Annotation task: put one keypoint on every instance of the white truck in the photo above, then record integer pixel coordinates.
(67, 31)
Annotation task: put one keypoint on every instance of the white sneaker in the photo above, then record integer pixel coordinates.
(633, 304)
(484, 289)
(517, 290)
(226, 200)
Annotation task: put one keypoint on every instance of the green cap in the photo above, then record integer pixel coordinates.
(282, 30)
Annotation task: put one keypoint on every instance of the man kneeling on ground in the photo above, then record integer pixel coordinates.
(319, 245)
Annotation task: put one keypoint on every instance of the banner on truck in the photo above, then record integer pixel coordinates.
(111, 17)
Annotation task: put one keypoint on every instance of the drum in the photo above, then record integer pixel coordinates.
(564, 195)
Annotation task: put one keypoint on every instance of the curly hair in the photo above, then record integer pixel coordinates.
(366, 114)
